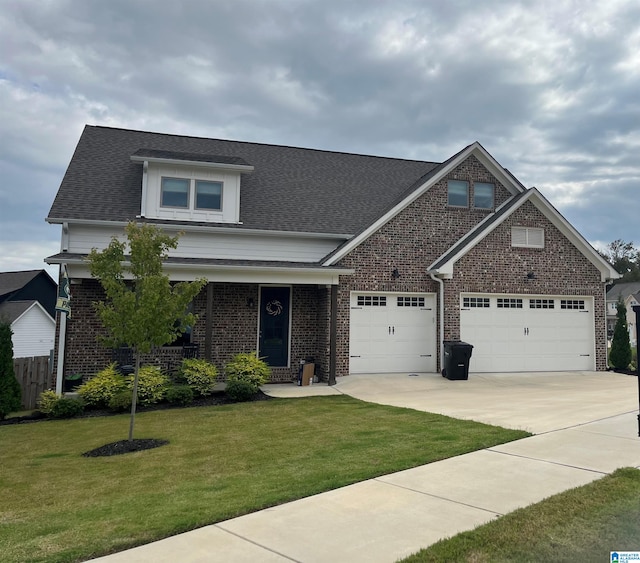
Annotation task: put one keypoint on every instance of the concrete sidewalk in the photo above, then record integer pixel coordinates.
(390, 517)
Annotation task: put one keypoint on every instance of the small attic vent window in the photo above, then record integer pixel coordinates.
(527, 237)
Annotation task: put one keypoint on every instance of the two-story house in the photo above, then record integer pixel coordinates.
(367, 264)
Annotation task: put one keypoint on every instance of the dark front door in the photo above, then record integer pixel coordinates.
(274, 325)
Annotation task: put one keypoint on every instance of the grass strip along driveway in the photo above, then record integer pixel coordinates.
(221, 462)
(583, 524)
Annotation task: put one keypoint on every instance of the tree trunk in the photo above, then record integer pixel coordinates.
(134, 396)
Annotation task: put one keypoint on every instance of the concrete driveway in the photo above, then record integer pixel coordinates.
(536, 402)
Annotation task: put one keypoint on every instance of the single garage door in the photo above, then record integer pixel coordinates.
(392, 333)
(528, 332)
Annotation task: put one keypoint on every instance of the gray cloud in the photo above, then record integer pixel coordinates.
(549, 88)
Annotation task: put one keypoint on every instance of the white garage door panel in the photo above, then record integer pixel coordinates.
(527, 339)
(391, 338)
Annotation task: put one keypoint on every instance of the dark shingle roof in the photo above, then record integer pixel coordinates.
(11, 310)
(293, 189)
(13, 281)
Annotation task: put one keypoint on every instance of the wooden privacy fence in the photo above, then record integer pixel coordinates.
(34, 376)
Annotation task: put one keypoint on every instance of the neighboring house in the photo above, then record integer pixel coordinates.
(630, 294)
(27, 300)
(364, 263)
(33, 328)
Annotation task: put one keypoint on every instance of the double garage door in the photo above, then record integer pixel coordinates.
(511, 333)
(392, 333)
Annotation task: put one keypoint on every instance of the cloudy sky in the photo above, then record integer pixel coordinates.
(550, 88)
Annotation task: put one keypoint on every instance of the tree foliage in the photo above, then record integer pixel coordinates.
(625, 258)
(10, 392)
(143, 309)
(620, 354)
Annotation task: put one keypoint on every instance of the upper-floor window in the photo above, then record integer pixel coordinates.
(208, 195)
(175, 192)
(180, 192)
(483, 195)
(458, 193)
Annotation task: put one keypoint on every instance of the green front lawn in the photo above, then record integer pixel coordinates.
(583, 524)
(221, 462)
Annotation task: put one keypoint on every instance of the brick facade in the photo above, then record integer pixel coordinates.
(410, 242)
(235, 329)
(427, 228)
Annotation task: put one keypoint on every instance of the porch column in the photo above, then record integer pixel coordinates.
(208, 328)
(333, 334)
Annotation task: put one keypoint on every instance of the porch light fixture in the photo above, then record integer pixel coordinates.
(531, 276)
(395, 274)
(250, 302)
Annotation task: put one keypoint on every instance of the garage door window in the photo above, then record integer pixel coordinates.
(475, 302)
(541, 304)
(573, 304)
(372, 300)
(410, 301)
(508, 303)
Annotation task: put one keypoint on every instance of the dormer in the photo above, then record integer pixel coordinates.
(190, 187)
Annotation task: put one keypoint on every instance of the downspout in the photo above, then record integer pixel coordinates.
(432, 274)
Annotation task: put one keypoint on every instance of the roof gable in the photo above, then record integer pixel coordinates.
(423, 185)
(13, 311)
(443, 266)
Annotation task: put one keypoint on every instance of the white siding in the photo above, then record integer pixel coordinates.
(230, 193)
(82, 238)
(33, 333)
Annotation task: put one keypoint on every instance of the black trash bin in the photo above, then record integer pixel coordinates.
(456, 359)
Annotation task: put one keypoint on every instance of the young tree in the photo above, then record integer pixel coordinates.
(620, 355)
(10, 392)
(143, 309)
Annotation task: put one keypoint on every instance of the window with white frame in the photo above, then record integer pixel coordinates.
(184, 193)
(458, 193)
(483, 195)
(527, 237)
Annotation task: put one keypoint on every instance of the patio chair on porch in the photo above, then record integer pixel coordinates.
(123, 356)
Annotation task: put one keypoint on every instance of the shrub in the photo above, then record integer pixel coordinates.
(180, 395)
(46, 401)
(99, 390)
(248, 368)
(121, 401)
(54, 406)
(65, 407)
(200, 375)
(620, 354)
(240, 390)
(152, 385)
(10, 391)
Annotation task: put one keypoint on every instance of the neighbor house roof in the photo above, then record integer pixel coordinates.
(13, 310)
(13, 281)
(308, 190)
(623, 290)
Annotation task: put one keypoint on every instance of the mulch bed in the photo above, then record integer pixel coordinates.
(125, 447)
